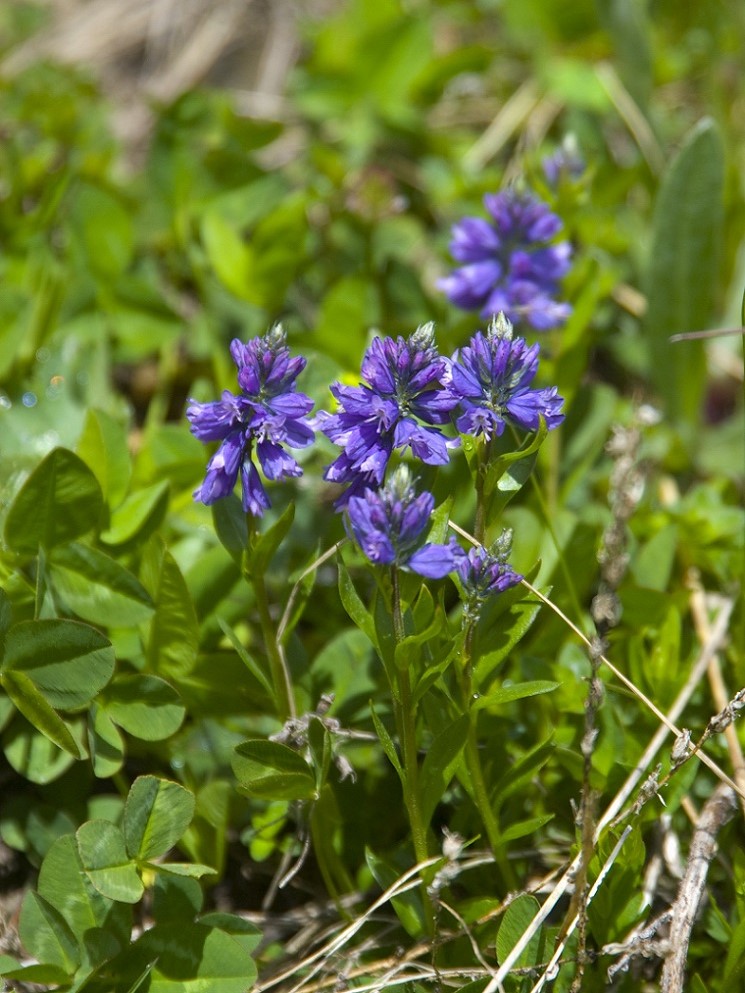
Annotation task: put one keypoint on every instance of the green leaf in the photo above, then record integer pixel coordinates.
(513, 626)
(523, 771)
(38, 712)
(192, 958)
(682, 277)
(139, 513)
(103, 447)
(353, 605)
(104, 744)
(96, 587)
(68, 662)
(156, 814)
(516, 920)
(267, 543)
(104, 926)
(35, 755)
(272, 770)
(103, 854)
(351, 303)
(6, 616)
(509, 473)
(44, 975)
(408, 906)
(60, 501)
(231, 526)
(145, 706)
(104, 229)
(188, 870)
(516, 691)
(229, 256)
(250, 663)
(522, 828)
(387, 742)
(440, 764)
(176, 898)
(47, 935)
(173, 644)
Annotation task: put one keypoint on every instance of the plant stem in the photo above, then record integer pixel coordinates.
(406, 721)
(475, 770)
(280, 676)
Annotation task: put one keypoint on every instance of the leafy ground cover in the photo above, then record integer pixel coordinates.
(372, 528)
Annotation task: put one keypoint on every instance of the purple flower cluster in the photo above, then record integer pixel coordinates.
(389, 526)
(484, 573)
(396, 407)
(266, 415)
(490, 380)
(508, 262)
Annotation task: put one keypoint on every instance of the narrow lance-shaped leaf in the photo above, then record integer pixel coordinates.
(684, 260)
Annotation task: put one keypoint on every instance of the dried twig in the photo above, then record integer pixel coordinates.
(718, 809)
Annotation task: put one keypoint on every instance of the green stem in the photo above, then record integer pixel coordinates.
(278, 670)
(548, 520)
(476, 772)
(406, 723)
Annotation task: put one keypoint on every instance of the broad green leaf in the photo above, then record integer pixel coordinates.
(103, 447)
(174, 630)
(513, 625)
(351, 303)
(277, 248)
(104, 744)
(193, 958)
(516, 920)
(273, 770)
(104, 229)
(139, 513)
(38, 711)
(104, 926)
(43, 975)
(262, 553)
(176, 898)
(33, 754)
(96, 587)
(682, 276)
(103, 855)
(231, 526)
(47, 935)
(515, 691)
(144, 706)
(228, 254)
(60, 501)
(156, 814)
(440, 764)
(68, 662)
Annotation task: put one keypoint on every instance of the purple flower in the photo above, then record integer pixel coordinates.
(389, 525)
(401, 398)
(490, 378)
(508, 263)
(266, 415)
(485, 573)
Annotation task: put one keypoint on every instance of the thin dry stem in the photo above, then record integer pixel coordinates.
(717, 811)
